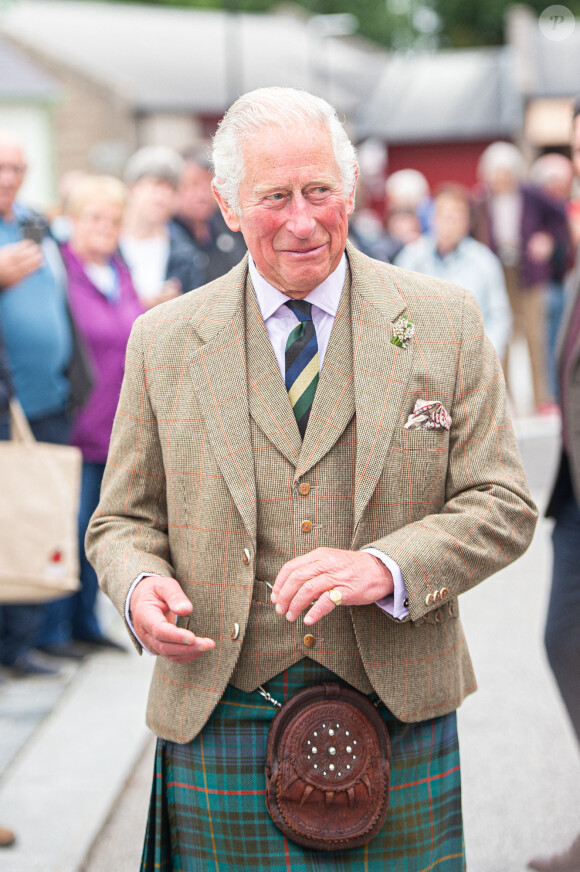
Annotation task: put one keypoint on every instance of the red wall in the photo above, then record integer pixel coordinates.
(441, 162)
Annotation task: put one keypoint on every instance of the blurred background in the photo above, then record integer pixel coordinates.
(426, 85)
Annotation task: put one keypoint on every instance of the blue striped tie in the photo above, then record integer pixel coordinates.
(302, 364)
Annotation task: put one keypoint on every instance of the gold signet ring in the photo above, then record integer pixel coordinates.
(335, 596)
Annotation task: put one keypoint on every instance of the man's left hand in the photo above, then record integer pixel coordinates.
(360, 577)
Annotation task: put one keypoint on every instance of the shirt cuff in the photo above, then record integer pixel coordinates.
(395, 604)
(128, 617)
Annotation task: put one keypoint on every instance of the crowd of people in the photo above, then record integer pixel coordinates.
(511, 239)
(72, 286)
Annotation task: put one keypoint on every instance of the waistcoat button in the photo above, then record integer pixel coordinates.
(309, 640)
(246, 557)
(304, 489)
(306, 526)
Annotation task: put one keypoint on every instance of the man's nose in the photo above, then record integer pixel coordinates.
(300, 218)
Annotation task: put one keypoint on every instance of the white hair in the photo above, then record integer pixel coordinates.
(286, 108)
(156, 161)
(551, 167)
(501, 156)
(406, 188)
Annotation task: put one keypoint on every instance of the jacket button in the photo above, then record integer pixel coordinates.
(437, 596)
(306, 526)
(444, 591)
(246, 557)
(309, 640)
(304, 489)
(429, 599)
(235, 632)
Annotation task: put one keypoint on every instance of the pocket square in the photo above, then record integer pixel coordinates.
(428, 415)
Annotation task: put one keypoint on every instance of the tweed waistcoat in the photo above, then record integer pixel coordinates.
(271, 643)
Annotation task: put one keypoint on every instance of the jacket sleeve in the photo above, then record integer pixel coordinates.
(487, 518)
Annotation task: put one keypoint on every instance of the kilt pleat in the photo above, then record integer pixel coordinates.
(208, 809)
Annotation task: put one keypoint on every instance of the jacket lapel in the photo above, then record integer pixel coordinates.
(381, 371)
(218, 372)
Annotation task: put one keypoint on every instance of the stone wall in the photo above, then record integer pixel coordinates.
(94, 128)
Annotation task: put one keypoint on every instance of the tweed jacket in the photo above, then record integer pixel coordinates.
(179, 493)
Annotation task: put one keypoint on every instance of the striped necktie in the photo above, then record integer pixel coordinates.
(302, 364)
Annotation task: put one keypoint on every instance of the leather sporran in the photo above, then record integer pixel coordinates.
(328, 768)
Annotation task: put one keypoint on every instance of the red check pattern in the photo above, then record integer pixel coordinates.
(180, 497)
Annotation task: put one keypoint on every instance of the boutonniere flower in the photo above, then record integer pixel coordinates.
(403, 332)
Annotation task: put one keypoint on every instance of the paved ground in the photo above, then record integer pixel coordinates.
(68, 747)
(76, 761)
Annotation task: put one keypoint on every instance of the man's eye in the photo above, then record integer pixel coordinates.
(275, 197)
(319, 192)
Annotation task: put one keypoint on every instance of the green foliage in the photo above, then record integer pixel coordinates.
(475, 23)
(394, 23)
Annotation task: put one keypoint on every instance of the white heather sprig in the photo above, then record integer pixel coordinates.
(403, 332)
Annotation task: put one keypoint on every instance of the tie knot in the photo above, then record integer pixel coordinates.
(301, 309)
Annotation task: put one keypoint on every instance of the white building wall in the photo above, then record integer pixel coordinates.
(32, 125)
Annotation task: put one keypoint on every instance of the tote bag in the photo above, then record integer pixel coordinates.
(39, 503)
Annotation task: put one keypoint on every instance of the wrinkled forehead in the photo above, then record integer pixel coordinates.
(276, 153)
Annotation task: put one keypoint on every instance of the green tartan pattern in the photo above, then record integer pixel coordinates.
(208, 810)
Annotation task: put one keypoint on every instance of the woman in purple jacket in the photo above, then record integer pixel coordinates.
(104, 306)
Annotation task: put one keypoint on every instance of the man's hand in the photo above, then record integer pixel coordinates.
(18, 260)
(154, 603)
(360, 577)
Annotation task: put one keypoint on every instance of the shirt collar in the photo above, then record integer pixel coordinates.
(326, 296)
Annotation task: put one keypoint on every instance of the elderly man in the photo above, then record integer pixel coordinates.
(198, 214)
(311, 459)
(563, 622)
(528, 230)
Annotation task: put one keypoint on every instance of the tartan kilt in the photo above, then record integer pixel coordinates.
(208, 809)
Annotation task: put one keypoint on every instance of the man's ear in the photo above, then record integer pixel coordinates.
(230, 217)
(351, 197)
